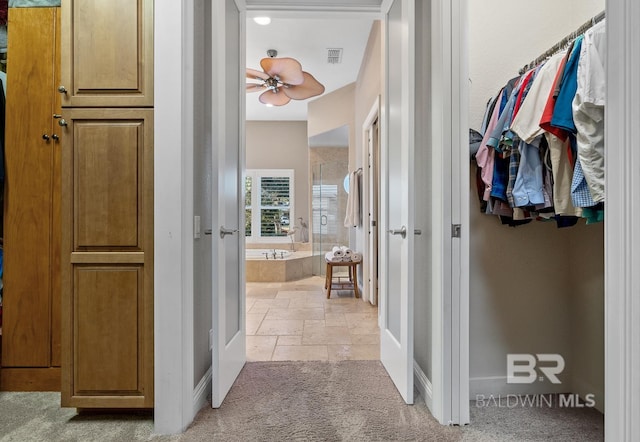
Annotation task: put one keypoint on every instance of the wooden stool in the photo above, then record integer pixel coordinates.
(352, 284)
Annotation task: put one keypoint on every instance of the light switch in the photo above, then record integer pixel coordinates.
(196, 227)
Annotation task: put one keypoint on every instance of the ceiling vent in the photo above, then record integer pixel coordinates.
(334, 55)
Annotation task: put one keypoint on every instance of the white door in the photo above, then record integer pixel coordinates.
(397, 229)
(228, 331)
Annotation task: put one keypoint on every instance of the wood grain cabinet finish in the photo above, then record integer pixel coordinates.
(107, 246)
(107, 53)
(31, 352)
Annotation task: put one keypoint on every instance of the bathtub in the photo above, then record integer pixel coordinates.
(267, 254)
(288, 266)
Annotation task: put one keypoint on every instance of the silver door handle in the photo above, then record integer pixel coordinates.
(402, 232)
(224, 232)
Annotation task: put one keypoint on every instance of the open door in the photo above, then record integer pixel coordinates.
(228, 331)
(397, 212)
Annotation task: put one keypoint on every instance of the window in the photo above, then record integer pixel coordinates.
(268, 204)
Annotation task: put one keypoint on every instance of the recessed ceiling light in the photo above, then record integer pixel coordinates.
(262, 20)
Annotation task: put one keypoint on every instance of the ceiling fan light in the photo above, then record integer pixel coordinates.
(269, 105)
(264, 21)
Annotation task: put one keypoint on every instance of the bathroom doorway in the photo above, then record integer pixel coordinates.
(288, 316)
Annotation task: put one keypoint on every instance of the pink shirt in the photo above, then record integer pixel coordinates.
(486, 155)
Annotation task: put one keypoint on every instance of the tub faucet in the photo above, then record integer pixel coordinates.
(275, 254)
(291, 234)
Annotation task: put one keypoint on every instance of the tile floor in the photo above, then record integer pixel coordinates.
(294, 321)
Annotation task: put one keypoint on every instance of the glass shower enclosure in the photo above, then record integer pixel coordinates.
(329, 203)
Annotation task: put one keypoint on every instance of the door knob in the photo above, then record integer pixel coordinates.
(45, 137)
(402, 232)
(224, 232)
(62, 122)
(62, 89)
(55, 137)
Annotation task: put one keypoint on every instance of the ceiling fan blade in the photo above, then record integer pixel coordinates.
(310, 88)
(277, 98)
(256, 75)
(254, 87)
(287, 70)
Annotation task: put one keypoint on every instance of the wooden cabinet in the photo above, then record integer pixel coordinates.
(108, 248)
(107, 57)
(107, 204)
(31, 319)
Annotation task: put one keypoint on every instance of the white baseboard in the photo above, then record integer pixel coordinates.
(497, 385)
(202, 391)
(423, 385)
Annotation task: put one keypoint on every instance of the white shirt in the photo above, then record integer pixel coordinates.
(527, 122)
(588, 109)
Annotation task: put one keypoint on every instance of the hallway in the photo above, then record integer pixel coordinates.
(294, 321)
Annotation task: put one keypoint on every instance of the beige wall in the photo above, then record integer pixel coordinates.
(587, 308)
(368, 86)
(331, 111)
(528, 291)
(282, 145)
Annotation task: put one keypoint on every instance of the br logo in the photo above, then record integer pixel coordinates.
(521, 367)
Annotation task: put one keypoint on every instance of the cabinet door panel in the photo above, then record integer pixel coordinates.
(107, 55)
(29, 191)
(107, 186)
(107, 326)
(107, 258)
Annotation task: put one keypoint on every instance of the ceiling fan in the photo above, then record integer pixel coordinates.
(282, 80)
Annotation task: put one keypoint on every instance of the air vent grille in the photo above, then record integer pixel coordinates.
(334, 55)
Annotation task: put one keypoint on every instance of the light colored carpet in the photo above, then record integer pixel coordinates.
(301, 401)
(26, 417)
(316, 401)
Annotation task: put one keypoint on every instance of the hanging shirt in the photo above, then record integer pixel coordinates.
(588, 109)
(528, 188)
(485, 156)
(547, 114)
(563, 112)
(504, 121)
(580, 194)
(526, 123)
(562, 176)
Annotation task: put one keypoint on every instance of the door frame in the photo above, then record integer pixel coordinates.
(176, 399)
(369, 160)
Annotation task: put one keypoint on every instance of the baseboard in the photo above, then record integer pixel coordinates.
(423, 385)
(497, 385)
(30, 379)
(202, 391)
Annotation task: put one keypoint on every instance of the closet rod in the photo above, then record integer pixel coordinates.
(564, 42)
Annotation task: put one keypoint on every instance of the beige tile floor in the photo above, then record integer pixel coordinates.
(294, 321)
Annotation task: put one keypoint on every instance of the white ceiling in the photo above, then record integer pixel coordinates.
(307, 40)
